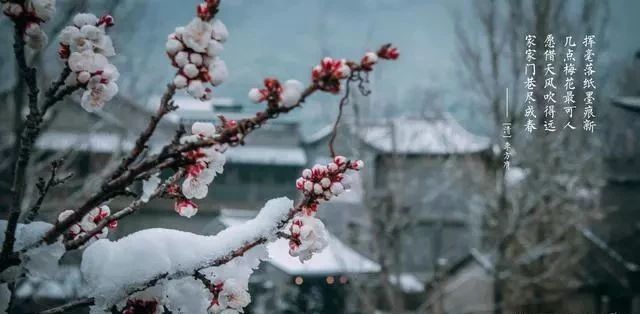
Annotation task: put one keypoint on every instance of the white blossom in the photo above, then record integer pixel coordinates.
(214, 48)
(44, 9)
(97, 94)
(190, 70)
(186, 208)
(173, 46)
(87, 61)
(370, 58)
(204, 129)
(195, 187)
(180, 81)
(220, 32)
(337, 188)
(182, 58)
(196, 89)
(234, 295)
(83, 19)
(35, 37)
(218, 71)
(197, 35)
(195, 58)
(209, 161)
(291, 92)
(255, 95)
(312, 235)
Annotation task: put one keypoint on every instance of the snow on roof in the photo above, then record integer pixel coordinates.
(628, 102)
(407, 282)
(423, 136)
(318, 135)
(223, 101)
(93, 142)
(336, 258)
(109, 142)
(267, 155)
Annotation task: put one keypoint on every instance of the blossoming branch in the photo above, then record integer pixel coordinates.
(211, 274)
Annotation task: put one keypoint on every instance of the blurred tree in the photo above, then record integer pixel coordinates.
(530, 223)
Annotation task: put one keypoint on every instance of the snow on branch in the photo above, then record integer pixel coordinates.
(112, 268)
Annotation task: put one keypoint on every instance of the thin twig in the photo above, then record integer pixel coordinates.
(133, 207)
(343, 102)
(69, 306)
(44, 186)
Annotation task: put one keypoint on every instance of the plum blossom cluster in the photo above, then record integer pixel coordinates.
(194, 50)
(32, 13)
(90, 222)
(308, 234)
(85, 47)
(287, 94)
(229, 297)
(323, 182)
(327, 76)
(329, 72)
(205, 164)
(386, 52)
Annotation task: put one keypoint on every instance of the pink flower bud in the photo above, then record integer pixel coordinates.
(195, 58)
(106, 20)
(343, 72)
(196, 89)
(308, 186)
(255, 95)
(317, 188)
(181, 58)
(180, 81)
(357, 165)
(316, 72)
(319, 171)
(325, 182)
(306, 173)
(370, 58)
(173, 46)
(83, 77)
(340, 160)
(300, 183)
(337, 188)
(190, 70)
(186, 208)
(332, 167)
(295, 229)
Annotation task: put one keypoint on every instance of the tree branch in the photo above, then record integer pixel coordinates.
(44, 186)
(133, 207)
(166, 106)
(23, 144)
